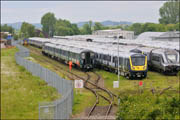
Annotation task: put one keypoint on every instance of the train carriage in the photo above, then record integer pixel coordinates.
(38, 42)
(131, 65)
(82, 58)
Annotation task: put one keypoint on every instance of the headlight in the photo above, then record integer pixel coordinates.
(144, 67)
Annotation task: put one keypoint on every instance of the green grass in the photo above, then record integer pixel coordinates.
(20, 91)
(154, 80)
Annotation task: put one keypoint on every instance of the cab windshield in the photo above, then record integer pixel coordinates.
(171, 58)
(138, 61)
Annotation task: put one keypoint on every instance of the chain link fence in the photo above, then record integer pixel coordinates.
(59, 109)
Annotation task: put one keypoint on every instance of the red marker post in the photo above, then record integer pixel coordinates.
(140, 84)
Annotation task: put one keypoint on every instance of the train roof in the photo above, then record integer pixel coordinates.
(75, 46)
(100, 47)
(142, 41)
(149, 35)
(39, 39)
(67, 48)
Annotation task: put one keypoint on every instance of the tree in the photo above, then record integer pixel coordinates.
(169, 12)
(6, 28)
(152, 27)
(48, 21)
(86, 29)
(98, 26)
(64, 27)
(177, 26)
(171, 27)
(4, 36)
(137, 28)
(27, 30)
(75, 29)
(15, 37)
(41, 35)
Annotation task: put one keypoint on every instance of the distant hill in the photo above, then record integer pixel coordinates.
(106, 23)
(17, 25)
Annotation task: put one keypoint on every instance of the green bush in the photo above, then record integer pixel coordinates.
(148, 106)
(179, 73)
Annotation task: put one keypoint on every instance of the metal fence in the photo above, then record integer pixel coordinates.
(59, 109)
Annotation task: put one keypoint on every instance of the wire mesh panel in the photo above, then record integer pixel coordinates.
(47, 110)
(59, 109)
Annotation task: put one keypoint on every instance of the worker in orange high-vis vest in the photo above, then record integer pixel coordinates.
(70, 65)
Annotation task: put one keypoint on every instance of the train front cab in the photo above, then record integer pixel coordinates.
(87, 60)
(167, 62)
(138, 65)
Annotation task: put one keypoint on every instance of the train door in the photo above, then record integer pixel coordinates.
(111, 61)
(116, 62)
(156, 61)
(86, 57)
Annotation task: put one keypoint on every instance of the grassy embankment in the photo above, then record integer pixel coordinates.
(20, 91)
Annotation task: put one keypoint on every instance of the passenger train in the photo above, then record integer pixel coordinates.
(131, 64)
(102, 58)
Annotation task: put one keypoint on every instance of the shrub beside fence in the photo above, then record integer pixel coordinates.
(59, 109)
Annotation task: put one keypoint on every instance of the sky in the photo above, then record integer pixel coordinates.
(77, 11)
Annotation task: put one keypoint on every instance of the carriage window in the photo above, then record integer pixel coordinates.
(74, 55)
(66, 53)
(104, 57)
(109, 58)
(114, 59)
(95, 55)
(92, 54)
(83, 55)
(120, 60)
(156, 58)
(101, 56)
(162, 59)
(128, 62)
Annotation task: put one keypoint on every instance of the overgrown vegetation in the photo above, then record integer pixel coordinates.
(21, 92)
(149, 106)
(152, 100)
(139, 28)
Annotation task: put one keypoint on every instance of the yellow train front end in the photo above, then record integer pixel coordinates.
(138, 65)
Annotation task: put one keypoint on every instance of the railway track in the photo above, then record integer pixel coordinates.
(87, 84)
